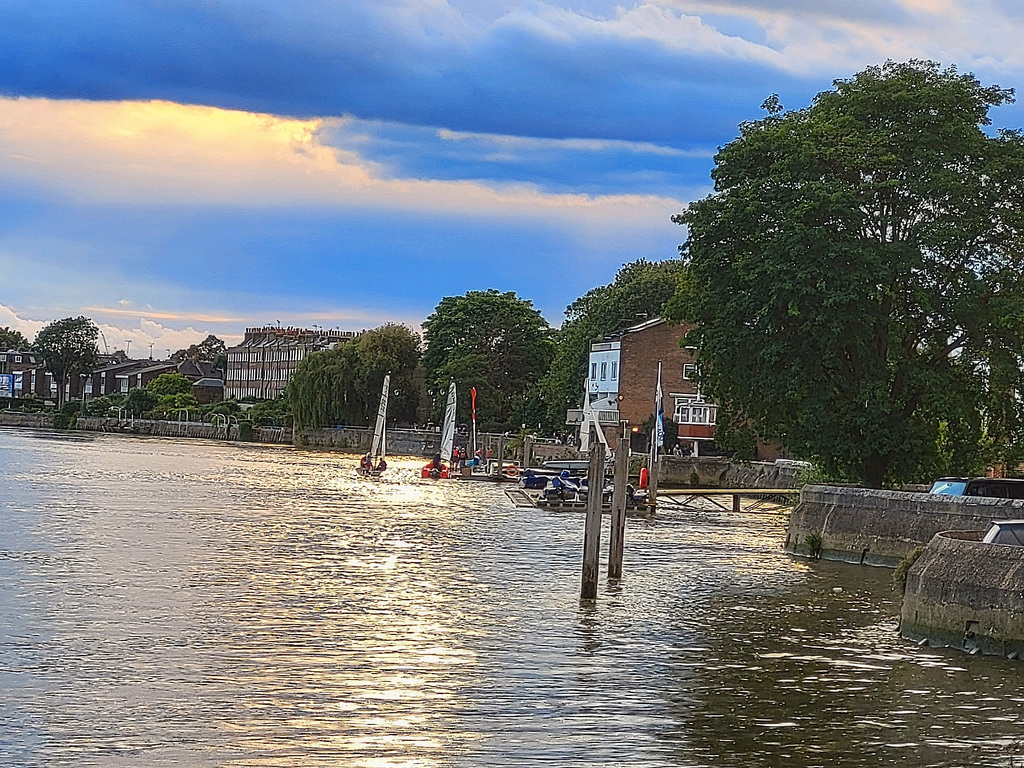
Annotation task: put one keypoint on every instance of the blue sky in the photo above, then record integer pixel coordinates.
(173, 169)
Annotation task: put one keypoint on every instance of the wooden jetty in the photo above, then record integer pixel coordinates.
(763, 498)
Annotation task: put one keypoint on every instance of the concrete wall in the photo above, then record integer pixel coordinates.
(881, 527)
(177, 429)
(967, 595)
(400, 442)
(714, 472)
(39, 420)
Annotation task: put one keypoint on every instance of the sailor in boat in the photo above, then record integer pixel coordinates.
(435, 469)
(366, 463)
(381, 465)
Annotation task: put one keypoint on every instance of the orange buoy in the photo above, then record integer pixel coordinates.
(643, 477)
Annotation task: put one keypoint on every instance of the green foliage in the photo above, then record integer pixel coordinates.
(342, 385)
(11, 339)
(272, 413)
(68, 348)
(170, 384)
(899, 576)
(101, 406)
(639, 292)
(813, 543)
(495, 342)
(209, 348)
(67, 415)
(140, 401)
(857, 277)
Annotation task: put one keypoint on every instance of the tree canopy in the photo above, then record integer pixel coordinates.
(342, 385)
(496, 342)
(170, 384)
(11, 339)
(68, 347)
(208, 349)
(857, 279)
(639, 292)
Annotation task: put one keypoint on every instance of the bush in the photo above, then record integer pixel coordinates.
(899, 576)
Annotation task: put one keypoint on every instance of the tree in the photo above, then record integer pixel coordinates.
(496, 342)
(12, 340)
(68, 347)
(343, 384)
(209, 349)
(170, 384)
(639, 292)
(857, 276)
(139, 401)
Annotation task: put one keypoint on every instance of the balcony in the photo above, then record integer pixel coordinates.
(574, 417)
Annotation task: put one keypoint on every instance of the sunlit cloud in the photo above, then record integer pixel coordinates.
(160, 152)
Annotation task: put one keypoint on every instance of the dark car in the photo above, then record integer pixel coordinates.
(990, 487)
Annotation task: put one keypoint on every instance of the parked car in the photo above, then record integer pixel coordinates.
(1005, 532)
(992, 487)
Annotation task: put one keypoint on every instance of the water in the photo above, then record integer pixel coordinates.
(198, 604)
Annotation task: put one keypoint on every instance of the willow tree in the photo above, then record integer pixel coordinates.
(857, 276)
(342, 385)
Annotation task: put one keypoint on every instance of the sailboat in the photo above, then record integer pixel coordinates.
(373, 464)
(441, 465)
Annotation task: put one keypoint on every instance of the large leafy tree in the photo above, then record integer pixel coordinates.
(68, 348)
(858, 276)
(208, 349)
(496, 342)
(342, 385)
(11, 339)
(639, 292)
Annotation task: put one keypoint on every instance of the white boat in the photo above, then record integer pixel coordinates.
(379, 446)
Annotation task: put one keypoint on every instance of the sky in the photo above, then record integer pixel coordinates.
(175, 168)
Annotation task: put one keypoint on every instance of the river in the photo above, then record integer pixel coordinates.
(200, 604)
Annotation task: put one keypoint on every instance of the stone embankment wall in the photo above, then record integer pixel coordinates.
(715, 472)
(38, 420)
(881, 527)
(190, 429)
(967, 595)
(400, 442)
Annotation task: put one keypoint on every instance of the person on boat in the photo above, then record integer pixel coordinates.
(382, 465)
(366, 462)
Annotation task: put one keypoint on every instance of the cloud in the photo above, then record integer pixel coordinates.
(662, 72)
(159, 153)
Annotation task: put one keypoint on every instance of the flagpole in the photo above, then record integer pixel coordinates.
(657, 440)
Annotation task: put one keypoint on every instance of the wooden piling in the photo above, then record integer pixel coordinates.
(617, 539)
(652, 484)
(592, 527)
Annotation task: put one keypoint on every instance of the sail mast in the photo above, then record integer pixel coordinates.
(379, 436)
(448, 431)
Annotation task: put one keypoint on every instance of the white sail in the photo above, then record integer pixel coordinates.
(448, 430)
(379, 437)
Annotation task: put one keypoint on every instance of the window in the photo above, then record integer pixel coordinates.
(689, 371)
(615, 370)
(593, 371)
(692, 411)
(604, 371)
(17, 358)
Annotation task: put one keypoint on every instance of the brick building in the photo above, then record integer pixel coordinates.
(263, 363)
(623, 378)
(22, 374)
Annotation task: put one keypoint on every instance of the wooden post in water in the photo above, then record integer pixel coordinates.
(592, 527)
(652, 485)
(501, 456)
(527, 451)
(617, 538)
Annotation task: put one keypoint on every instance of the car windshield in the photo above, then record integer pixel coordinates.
(1005, 533)
(949, 487)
